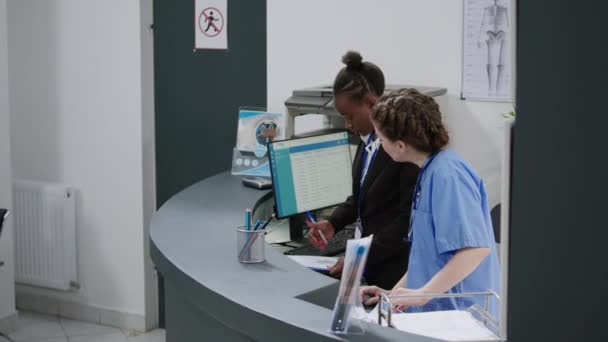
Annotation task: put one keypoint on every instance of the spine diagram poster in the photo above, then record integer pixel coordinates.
(486, 65)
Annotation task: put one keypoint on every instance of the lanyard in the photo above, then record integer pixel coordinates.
(416, 195)
(365, 169)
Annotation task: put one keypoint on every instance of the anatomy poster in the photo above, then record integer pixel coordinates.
(486, 65)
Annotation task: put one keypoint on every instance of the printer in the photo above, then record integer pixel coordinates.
(319, 100)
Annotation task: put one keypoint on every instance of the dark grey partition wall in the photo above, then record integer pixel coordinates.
(559, 257)
(198, 93)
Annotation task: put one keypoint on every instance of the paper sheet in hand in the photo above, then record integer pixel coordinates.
(317, 263)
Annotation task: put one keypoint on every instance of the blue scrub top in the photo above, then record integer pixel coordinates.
(451, 214)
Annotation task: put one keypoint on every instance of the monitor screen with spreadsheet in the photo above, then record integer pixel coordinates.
(310, 173)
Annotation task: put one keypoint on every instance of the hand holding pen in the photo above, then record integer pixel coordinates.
(320, 231)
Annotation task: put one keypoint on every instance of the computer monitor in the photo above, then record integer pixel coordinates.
(310, 173)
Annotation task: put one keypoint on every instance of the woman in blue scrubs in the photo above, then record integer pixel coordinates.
(453, 249)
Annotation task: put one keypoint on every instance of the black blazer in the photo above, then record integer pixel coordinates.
(385, 212)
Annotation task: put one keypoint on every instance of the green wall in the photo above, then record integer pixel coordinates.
(558, 270)
(198, 93)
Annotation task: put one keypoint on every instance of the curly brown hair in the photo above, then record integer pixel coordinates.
(411, 117)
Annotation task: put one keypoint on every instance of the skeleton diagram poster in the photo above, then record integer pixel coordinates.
(486, 65)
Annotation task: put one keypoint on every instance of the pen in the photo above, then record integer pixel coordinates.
(247, 219)
(312, 219)
(267, 222)
(257, 225)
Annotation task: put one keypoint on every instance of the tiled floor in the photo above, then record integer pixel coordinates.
(33, 327)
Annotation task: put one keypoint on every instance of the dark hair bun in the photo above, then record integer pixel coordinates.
(353, 60)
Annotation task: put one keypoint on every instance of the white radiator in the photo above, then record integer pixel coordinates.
(45, 235)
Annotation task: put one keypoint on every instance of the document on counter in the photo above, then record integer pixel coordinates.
(449, 325)
(317, 263)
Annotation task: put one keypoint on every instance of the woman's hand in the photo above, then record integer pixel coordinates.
(400, 304)
(370, 295)
(318, 228)
(336, 270)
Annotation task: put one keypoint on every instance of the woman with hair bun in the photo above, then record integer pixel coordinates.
(382, 189)
(453, 247)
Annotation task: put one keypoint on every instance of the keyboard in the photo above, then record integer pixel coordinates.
(335, 246)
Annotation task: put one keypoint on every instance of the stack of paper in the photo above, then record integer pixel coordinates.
(450, 325)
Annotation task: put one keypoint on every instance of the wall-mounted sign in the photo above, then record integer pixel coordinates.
(210, 24)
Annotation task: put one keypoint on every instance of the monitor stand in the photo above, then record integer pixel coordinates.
(296, 223)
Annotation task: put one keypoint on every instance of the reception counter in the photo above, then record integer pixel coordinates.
(210, 296)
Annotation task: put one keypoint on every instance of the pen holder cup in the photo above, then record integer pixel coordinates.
(250, 245)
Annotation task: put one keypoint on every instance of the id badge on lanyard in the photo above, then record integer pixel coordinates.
(416, 196)
(364, 169)
(358, 229)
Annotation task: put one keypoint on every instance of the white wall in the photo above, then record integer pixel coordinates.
(7, 288)
(149, 156)
(414, 42)
(76, 89)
